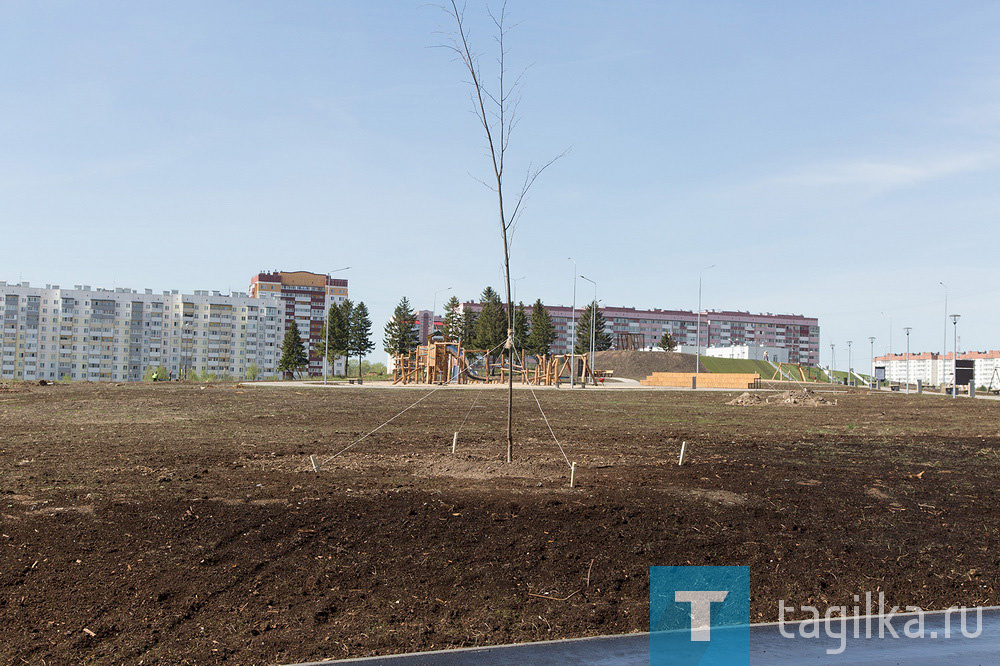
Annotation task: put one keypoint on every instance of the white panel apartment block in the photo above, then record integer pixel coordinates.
(119, 334)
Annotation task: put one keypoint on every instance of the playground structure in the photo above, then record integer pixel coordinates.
(783, 370)
(448, 362)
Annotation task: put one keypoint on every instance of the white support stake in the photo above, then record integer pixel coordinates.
(572, 475)
(315, 463)
(680, 461)
(454, 441)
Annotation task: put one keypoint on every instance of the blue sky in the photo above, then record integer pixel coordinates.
(833, 159)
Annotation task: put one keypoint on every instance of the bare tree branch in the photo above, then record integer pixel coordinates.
(497, 113)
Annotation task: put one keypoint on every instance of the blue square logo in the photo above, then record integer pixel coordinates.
(699, 615)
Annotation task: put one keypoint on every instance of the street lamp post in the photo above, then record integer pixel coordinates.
(697, 362)
(871, 341)
(850, 364)
(833, 361)
(954, 360)
(593, 324)
(326, 350)
(889, 315)
(944, 337)
(572, 349)
(513, 298)
(908, 329)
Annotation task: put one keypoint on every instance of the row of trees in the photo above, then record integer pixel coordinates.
(488, 330)
(347, 332)
(349, 327)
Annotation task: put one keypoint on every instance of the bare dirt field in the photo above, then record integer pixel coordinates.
(177, 524)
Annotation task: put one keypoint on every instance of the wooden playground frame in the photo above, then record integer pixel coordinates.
(793, 369)
(441, 362)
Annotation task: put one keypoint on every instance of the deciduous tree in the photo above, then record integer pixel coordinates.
(496, 110)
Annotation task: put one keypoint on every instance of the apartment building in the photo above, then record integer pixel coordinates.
(426, 324)
(934, 369)
(120, 334)
(796, 334)
(306, 298)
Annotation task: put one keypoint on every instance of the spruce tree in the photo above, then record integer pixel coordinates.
(361, 332)
(401, 335)
(543, 331)
(667, 342)
(293, 352)
(468, 330)
(491, 324)
(338, 322)
(520, 327)
(452, 325)
(344, 334)
(602, 340)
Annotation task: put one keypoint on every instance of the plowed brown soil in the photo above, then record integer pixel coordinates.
(175, 524)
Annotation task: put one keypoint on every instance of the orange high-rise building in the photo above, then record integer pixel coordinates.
(307, 297)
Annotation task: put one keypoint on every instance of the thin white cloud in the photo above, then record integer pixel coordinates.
(885, 174)
(863, 178)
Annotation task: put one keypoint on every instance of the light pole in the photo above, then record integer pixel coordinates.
(593, 324)
(954, 360)
(572, 349)
(434, 307)
(513, 298)
(697, 361)
(850, 364)
(871, 341)
(908, 329)
(889, 314)
(833, 361)
(326, 349)
(944, 337)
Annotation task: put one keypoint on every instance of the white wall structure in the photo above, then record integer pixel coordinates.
(119, 334)
(751, 352)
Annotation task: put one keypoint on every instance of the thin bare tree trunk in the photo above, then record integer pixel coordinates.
(498, 126)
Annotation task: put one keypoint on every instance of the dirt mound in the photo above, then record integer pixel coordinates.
(803, 397)
(641, 364)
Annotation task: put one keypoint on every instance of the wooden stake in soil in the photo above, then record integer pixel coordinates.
(315, 463)
(454, 441)
(572, 475)
(680, 461)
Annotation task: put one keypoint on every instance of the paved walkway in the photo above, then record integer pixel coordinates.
(615, 383)
(764, 644)
(611, 384)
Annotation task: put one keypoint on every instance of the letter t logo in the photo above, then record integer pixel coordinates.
(701, 610)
